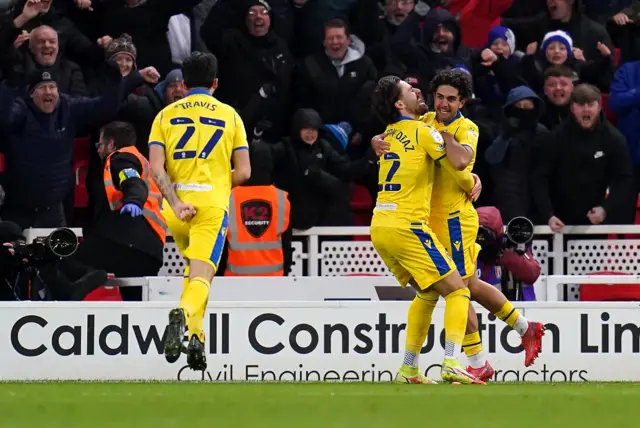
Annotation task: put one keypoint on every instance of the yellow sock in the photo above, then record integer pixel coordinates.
(193, 300)
(418, 324)
(185, 281)
(456, 313)
(508, 314)
(513, 318)
(472, 344)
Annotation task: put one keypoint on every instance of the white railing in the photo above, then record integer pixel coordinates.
(564, 260)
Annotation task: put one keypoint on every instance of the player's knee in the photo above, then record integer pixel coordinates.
(429, 296)
(460, 292)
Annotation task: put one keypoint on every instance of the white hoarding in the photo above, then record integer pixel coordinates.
(303, 341)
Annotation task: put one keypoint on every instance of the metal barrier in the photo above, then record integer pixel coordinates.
(331, 251)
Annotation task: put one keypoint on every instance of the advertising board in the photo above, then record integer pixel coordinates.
(298, 341)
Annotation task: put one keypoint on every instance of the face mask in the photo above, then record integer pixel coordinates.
(520, 118)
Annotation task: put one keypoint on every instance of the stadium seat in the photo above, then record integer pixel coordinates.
(610, 115)
(361, 205)
(1, 163)
(104, 294)
(81, 148)
(617, 56)
(611, 293)
(81, 196)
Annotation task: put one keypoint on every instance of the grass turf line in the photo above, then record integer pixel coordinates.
(283, 405)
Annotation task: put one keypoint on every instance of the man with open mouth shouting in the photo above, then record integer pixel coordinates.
(40, 127)
(587, 153)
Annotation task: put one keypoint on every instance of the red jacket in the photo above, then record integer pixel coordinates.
(477, 17)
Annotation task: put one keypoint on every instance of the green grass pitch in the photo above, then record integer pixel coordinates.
(283, 405)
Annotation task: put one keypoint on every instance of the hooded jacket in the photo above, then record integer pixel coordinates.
(422, 59)
(573, 169)
(332, 87)
(509, 157)
(316, 176)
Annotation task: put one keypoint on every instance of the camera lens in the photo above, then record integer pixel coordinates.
(520, 230)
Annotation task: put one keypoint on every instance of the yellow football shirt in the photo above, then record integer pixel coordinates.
(448, 196)
(406, 174)
(199, 135)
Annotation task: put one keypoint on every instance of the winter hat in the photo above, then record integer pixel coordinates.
(38, 77)
(251, 3)
(341, 131)
(172, 77)
(505, 34)
(558, 36)
(123, 44)
(463, 68)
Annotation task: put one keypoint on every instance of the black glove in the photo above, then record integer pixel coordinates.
(258, 130)
(268, 90)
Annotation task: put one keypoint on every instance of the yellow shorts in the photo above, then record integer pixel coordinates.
(412, 253)
(458, 232)
(201, 238)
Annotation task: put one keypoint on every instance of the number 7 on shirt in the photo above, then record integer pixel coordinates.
(180, 153)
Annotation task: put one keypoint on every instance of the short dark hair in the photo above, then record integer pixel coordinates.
(383, 99)
(121, 133)
(557, 71)
(337, 23)
(585, 93)
(456, 79)
(199, 70)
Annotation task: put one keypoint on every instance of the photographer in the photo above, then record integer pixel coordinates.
(510, 251)
(129, 232)
(41, 270)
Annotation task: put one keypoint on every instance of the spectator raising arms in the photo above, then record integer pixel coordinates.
(41, 126)
(255, 63)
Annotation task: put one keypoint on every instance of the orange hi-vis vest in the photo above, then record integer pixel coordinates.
(258, 216)
(151, 210)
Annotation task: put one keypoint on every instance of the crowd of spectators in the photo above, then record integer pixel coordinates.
(548, 75)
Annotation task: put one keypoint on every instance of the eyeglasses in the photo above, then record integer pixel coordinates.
(264, 12)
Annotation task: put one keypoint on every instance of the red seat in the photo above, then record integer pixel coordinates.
(1, 163)
(606, 292)
(104, 294)
(610, 115)
(362, 207)
(617, 56)
(81, 148)
(81, 196)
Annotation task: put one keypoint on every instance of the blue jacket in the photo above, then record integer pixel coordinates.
(39, 146)
(624, 100)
